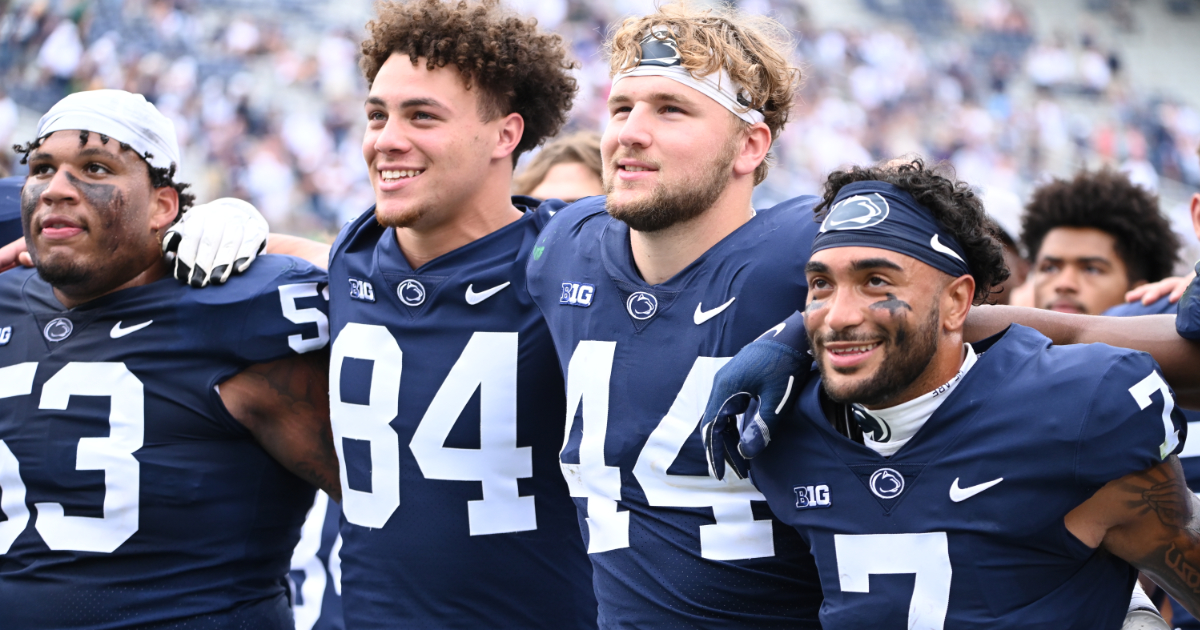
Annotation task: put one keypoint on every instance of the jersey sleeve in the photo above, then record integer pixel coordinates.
(1131, 424)
(288, 315)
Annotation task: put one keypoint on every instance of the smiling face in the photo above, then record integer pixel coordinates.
(668, 152)
(1078, 270)
(426, 144)
(875, 321)
(92, 222)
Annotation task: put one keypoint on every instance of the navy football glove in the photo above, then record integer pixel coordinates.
(750, 392)
(1187, 321)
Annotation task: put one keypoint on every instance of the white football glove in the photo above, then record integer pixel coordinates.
(214, 240)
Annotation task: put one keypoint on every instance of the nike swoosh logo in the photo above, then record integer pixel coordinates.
(474, 298)
(702, 315)
(958, 495)
(938, 247)
(118, 332)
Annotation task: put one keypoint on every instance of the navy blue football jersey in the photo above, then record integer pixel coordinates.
(447, 406)
(1190, 455)
(671, 547)
(316, 569)
(963, 526)
(10, 209)
(130, 496)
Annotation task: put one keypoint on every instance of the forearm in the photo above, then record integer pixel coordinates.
(1153, 334)
(312, 251)
(285, 405)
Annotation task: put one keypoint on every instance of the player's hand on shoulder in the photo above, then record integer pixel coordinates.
(757, 384)
(1152, 292)
(14, 254)
(214, 240)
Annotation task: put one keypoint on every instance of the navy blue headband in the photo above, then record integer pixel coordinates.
(878, 214)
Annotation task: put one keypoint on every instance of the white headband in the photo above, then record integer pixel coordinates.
(660, 58)
(121, 115)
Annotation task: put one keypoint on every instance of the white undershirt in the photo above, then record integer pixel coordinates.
(906, 419)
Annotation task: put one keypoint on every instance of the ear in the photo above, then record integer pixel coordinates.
(956, 303)
(512, 127)
(164, 207)
(755, 143)
(1196, 214)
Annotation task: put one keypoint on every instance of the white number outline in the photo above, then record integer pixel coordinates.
(926, 556)
(112, 454)
(735, 535)
(288, 294)
(487, 363)
(1141, 394)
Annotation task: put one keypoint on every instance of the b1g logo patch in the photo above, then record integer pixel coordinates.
(812, 497)
(361, 290)
(5, 335)
(577, 294)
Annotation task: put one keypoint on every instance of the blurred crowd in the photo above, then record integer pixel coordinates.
(266, 96)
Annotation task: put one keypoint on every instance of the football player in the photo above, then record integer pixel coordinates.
(916, 460)
(157, 444)
(647, 292)
(446, 401)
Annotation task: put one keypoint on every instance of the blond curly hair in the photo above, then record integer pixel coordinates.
(754, 49)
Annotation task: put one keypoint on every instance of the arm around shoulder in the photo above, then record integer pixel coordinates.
(285, 406)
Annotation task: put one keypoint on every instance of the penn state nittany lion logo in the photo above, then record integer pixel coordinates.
(411, 292)
(641, 305)
(856, 213)
(879, 430)
(660, 49)
(887, 483)
(58, 329)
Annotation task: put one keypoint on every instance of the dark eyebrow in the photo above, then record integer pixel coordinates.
(816, 267)
(412, 102)
(874, 263)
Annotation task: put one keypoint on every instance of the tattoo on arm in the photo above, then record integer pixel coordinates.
(1165, 543)
(285, 404)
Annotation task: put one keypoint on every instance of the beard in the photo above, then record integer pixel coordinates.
(671, 204)
(66, 273)
(907, 354)
(402, 219)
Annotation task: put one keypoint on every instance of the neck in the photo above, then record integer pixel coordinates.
(72, 296)
(661, 254)
(488, 210)
(945, 364)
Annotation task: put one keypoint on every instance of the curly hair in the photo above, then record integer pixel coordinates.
(953, 205)
(516, 67)
(160, 177)
(1107, 201)
(754, 49)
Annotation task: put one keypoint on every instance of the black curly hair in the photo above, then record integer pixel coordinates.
(1108, 201)
(160, 177)
(517, 67)
(953, 204)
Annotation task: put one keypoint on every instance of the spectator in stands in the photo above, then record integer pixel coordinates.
(1092, 239)
(569, 168)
